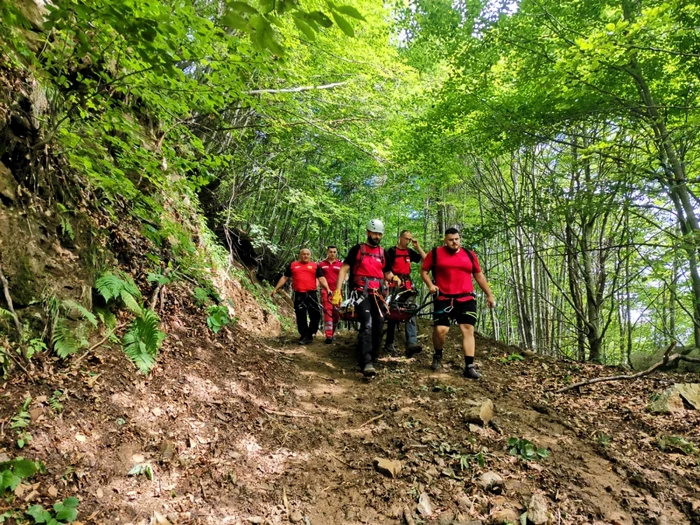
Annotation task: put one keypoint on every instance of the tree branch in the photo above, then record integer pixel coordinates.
(667, 360)
(8, 299)
(295, 89)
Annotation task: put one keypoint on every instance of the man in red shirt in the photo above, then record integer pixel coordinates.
(453, 268)
(368, 265)
(330, 268)
(399, 259)
(304, 274)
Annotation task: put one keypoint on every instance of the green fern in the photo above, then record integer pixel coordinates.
(67, 340)
(121, 286)
(130, 302)
(142, 340)
(63, 341)
(106, 317)
(84, 312)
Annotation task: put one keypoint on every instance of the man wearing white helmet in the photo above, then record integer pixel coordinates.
(366, 265)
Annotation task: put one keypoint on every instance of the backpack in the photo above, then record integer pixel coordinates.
(358, 262)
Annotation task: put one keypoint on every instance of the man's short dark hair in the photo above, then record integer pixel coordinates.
(403, 232)
(451, 231)
(332, 247)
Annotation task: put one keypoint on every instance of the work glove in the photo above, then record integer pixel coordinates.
(396, 280)
(337, 298)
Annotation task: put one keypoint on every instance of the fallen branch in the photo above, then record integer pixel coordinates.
(158, 292)
(667, 360)
(8, 352)
(348, 464)
(98, 344)
(284, 414)
(10, 307)
(371, 421)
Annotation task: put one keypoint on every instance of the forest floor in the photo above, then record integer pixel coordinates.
(252, 429)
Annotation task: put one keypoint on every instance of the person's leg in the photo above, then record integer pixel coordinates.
(328, 317)
(336, 320)
(364, 336)
(468, 345)
(314, 310)
(390, 331)
(377, 327)
(439, 336)
(411, 330)
(300, 312)
(441, 325)
(466, 321)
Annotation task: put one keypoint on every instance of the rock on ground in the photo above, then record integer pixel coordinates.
(491, 482)
(387, 467)
(537, 510)
(425, 508)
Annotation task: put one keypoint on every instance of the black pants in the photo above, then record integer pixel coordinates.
(369, 340)
(308, 313)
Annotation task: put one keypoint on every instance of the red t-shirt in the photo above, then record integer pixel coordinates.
(400, 259)
(303, 275)
(453, 272)
(330, 271)
(373, 265)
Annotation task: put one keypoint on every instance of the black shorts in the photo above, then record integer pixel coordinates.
(463, 312)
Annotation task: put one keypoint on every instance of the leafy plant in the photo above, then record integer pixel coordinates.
(512, 358)
(676, 444)
(201, 296)
(259, 22)
(66, 228)
(78, 308)
(6, 315)
(218, 318)
(65, 511)
(13, 472)
(527, 450)
(143, 340)
(466, 461)
(118, 286)
(447, 389)
(67, 340)
(158, 278)
(20, 423)
(142, 469)
(55, 401)
(5, 362)
(34, 346)
(603, 438)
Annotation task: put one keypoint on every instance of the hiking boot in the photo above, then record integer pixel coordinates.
(471, 373)
(368, 370)
(307, 340)
(329, 340)
(437, 363)
(390, 349)
(413, 349)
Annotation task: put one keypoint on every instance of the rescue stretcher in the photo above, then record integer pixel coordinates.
(399, 306)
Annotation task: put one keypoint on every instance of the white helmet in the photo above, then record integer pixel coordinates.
(375, 226)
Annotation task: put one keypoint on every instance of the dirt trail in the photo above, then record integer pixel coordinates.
(253, 430)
